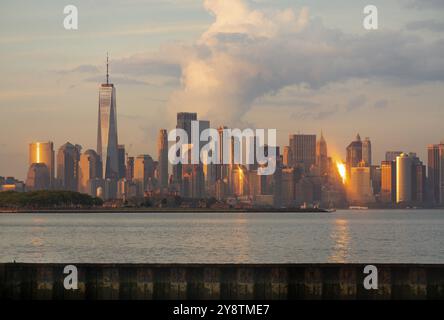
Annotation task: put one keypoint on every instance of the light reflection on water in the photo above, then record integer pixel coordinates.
(341, 242)
(345, 236)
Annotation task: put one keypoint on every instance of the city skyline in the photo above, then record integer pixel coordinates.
(162, 52)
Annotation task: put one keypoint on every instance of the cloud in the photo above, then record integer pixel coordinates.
(119, 80)
(381, 104)
(84, 68)
(431, 25)
(247, 54)
(425, 4)
(356, 102)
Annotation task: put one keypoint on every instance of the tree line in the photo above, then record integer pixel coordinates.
(47, 199)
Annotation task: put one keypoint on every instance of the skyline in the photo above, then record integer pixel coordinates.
(48, 96)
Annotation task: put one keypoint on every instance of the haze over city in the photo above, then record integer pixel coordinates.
(297, 66)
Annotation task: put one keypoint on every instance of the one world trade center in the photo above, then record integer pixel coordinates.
(107, 129)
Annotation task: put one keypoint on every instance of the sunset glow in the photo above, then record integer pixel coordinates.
(342, 171)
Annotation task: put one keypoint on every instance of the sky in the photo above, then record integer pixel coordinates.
(296, 66)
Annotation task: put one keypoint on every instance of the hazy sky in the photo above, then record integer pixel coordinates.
(298, 66)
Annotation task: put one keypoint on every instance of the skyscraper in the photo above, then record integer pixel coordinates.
(435, 168)
(404, 179)
(130, 169)
(388, 181)
(90, 171)
(392, 155)
(184, 120)
(162, 150)
(303, 150)
(38, 177)
(367, 151)
(360, 185)
(354, 154)
(121, 155)
(322, 156)
(143, 172)
(107, 142)
(68, 157)
(43, 152)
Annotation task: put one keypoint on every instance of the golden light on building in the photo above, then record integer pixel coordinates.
(342, 171)
(42, 152)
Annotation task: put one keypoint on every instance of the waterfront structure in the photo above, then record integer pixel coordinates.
(388, 182)
(11, 184)
(303, 150)
(43, 152)
(404, 179)
(162, 151)
(90, 170)
(367, 152)
(107, 141)
(68, 157)
(322, 156)
(38, 177)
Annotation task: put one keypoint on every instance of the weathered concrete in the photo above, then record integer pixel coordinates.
(212, 282)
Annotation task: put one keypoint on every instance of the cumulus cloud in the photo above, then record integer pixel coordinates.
(246, 54)
(431, 25)
(84, 68)
(425, 4)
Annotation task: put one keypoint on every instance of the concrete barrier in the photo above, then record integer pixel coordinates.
(220, 282)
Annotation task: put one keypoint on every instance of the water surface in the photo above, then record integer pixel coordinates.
(377, 236)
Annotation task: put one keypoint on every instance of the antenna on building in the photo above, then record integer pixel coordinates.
(107, 68)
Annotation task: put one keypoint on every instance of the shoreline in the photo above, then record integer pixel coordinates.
(193, 210)
(162, 210)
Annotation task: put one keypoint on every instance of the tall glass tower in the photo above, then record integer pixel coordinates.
(107, 144)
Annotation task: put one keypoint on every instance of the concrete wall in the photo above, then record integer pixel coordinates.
(212, 282)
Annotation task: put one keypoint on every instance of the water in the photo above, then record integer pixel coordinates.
(373, 236)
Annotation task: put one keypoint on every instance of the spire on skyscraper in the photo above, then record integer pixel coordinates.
(107, 68)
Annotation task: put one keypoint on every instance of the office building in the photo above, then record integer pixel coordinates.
(322, 156)
(392, 155)
(367, 152)
(360, 191)
(68, 157)
(107, 140)
(38, 177)
(303, 150)
(354, 154)
(404, 179)
(162, 151)
(388, 182)
(435, 168)
(43, 152)
(90, 170)
(121, 155)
